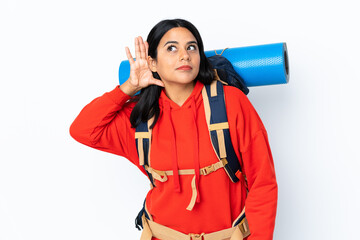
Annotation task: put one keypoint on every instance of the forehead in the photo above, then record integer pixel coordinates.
(179, 34)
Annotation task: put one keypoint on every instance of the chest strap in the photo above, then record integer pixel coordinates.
(162, 176)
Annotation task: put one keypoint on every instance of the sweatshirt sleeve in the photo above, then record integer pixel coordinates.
(257, 163)
(104, 124)
(261, 201)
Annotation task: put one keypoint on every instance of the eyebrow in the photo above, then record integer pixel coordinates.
(168, 42)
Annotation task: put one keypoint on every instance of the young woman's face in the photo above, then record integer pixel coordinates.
(178, 58)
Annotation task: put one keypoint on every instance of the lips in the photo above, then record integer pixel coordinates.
(185, 67)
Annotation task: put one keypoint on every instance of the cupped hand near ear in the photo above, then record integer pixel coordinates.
(140, 73)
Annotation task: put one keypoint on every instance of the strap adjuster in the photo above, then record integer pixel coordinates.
(207, 170)
(224, 161)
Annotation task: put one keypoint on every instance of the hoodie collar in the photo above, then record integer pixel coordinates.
(195, 95)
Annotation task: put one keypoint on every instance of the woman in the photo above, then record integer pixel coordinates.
(170, 70)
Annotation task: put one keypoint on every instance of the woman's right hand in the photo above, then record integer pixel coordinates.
(140, 73)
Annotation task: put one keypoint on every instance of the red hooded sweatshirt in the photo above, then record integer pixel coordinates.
(180, 140)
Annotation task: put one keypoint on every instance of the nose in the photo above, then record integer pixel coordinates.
(184, 55)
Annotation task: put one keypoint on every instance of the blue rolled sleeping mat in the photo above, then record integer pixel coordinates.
(257, 65)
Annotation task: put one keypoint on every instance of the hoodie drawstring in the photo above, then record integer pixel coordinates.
(174, 151)
(195, 181)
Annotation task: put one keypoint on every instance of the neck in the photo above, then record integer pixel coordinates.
(178, 93)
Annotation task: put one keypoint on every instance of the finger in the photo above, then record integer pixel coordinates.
(142, 48)
(156, 82)
(129, 56)
(147, 49)
(137, 48)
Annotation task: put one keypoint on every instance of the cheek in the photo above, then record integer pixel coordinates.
(167, 63)
(198, 62)
(165, 69)
(162, 65)
(196, 58)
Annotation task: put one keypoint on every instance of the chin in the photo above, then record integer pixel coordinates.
(186, 81)
(181, 79)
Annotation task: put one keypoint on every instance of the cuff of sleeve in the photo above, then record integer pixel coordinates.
(118, 96)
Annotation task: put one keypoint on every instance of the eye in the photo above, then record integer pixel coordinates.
(171, 48)
(192, 47)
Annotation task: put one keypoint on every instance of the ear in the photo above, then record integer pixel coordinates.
(152, 64)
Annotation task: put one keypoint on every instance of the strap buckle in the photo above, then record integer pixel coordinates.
(207, 170)
(195, 236)
(244, 227)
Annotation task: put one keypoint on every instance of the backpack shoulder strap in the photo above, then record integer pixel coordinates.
(143, 145)
(216, 118)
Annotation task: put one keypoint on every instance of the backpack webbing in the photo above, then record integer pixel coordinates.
(216, 118)
(143, 146)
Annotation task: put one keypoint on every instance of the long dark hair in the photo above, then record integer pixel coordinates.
(147, 101)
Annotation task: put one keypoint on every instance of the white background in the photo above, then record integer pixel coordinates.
(56, 56)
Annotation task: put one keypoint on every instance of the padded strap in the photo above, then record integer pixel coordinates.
(218, 126)
(143, 144)
(216, 118)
